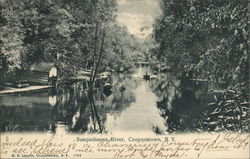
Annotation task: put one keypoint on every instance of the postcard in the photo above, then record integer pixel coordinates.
(117, 79)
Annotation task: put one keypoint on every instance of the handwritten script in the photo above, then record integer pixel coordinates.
(184, 146)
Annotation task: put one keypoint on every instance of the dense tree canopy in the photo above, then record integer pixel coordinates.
(68, 33)
(207, 38)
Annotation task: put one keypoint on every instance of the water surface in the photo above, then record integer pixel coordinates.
(155, 106)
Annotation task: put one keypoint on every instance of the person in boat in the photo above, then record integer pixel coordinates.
(155, 72)
(122, 88)
(146, 76)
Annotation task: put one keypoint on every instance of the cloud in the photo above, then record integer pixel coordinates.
(139, 25)
(138, 15)
(121, 2)
(149, 7)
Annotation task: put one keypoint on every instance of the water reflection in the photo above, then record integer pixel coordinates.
(180, 102)
(159, 105)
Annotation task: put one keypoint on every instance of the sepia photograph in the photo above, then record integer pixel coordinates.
(115, 79)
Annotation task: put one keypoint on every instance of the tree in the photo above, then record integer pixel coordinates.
(208, 39)
(12, 35)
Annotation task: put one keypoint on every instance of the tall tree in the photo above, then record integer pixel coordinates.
(208, 39)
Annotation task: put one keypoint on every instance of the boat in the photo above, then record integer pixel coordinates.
(153, 77)
(107, 89)
(104, 75)
(146, 77)
(122, 88)
(107, 86)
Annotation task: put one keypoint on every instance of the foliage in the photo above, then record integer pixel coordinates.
(122, 48)
(207, 38)
(12, 36)
(65, 32)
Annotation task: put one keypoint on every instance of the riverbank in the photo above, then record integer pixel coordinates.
(10, 90)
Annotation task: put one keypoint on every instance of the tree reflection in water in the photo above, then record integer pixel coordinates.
(181, 103)
(83, 112)
(184, 105)
(155, 105)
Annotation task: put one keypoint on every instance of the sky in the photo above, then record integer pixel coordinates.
(138, 15)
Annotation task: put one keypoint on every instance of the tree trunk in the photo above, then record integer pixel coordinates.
(3, 71)
(94, 54)
(99, 58)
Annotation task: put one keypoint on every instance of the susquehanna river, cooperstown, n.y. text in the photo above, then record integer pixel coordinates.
(120, 139)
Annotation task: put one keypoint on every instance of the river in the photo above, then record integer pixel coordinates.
(156, 106)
